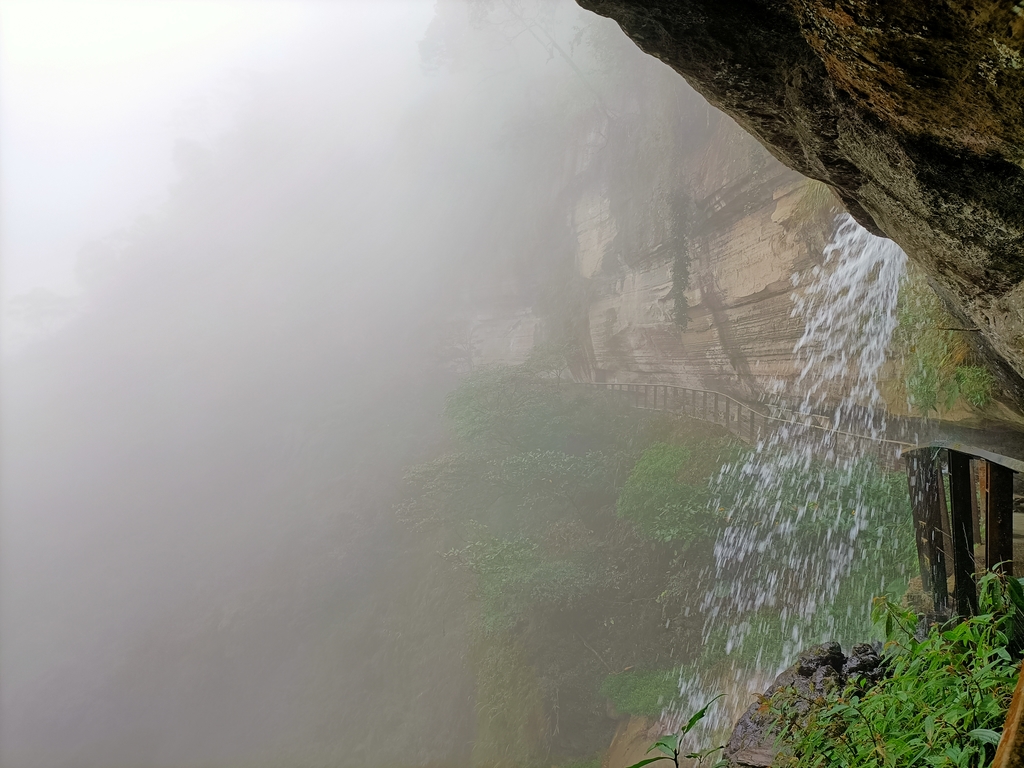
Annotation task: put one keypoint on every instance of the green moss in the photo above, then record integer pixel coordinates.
(642, 693)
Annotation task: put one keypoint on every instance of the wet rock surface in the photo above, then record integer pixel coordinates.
(817, 671)
(913, 112)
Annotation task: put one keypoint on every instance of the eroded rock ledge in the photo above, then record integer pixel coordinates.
(912, 111)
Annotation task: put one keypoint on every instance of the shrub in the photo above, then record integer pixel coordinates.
(515, 576)
(507, 409)
(663, 507)
(940, 704)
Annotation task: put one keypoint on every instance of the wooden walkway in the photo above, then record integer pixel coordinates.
(752, 423)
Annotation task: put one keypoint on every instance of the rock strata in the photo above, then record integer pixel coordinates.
(913, 112)
(817, 671)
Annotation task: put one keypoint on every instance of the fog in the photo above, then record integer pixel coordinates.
(231, 238)
(256, 256)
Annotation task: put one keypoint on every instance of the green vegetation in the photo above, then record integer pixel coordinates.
(974, 384)
(663, 505)
(515, 576)
(594, 762)
(936, 356)
(536, 498)
(941, 702)
(683, 215)
(509, 705)
(584, 529)
(643, 693)
(671, 747)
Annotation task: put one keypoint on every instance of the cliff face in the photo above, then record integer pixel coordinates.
(913, 112)
(743, 250)
(750, 225)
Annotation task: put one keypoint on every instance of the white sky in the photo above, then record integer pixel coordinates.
(94, 93)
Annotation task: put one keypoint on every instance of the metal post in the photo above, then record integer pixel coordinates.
(962, 530)
(999, 520)
(704, 408)
(715, 419)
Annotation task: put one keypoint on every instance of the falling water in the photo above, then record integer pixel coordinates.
(804, 508)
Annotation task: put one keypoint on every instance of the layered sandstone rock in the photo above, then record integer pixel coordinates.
(753, 226)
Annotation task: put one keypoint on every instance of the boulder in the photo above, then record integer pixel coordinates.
(817, 671)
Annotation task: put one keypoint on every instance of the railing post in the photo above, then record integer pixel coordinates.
(716, 408)
(962, 530)
(925, 485)
(999, 519)
(977, 465)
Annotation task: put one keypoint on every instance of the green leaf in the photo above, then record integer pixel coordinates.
(1016, 593)
(699, 715)
(985, 735)
(667, 744)
(649, 760)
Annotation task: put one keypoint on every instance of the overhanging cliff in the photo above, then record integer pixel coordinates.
(913, 112)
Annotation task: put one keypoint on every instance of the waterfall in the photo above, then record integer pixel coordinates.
(803, 509)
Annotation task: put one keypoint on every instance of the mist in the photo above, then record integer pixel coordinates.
(253, 255)
(208, 404)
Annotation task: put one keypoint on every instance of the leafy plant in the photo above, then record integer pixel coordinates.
(508, 409)
(670, 748)
(509, 705)
(941, 702)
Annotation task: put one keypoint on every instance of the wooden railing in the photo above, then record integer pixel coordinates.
(947, 530)
(748, 422)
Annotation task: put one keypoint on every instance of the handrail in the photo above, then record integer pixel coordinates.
(765, 417)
